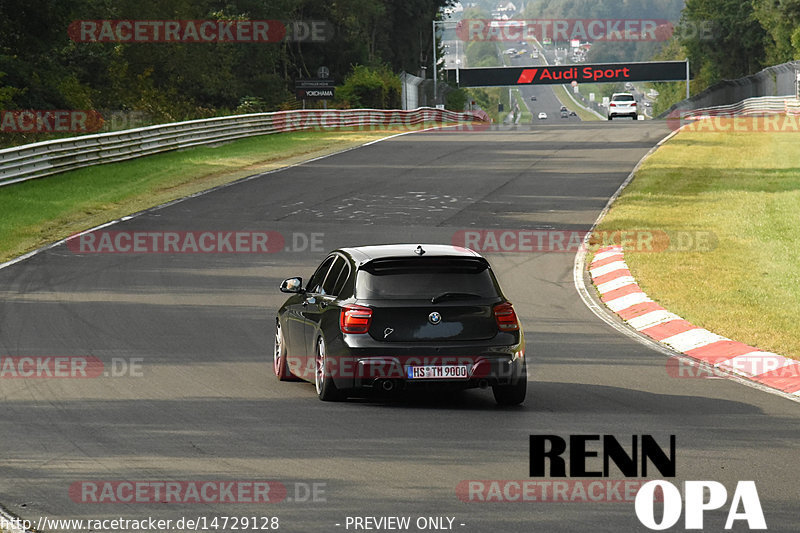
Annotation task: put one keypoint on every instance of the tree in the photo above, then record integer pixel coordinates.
(373, 88)
(736, 47)
(781, 20)
(44, 68)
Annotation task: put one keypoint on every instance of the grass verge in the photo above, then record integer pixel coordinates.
(744, 188)
(563, 97)
(525, 114)
(45, 210)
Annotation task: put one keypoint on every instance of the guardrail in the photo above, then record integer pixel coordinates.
(777, 80)
(37, 160)
(759, 105)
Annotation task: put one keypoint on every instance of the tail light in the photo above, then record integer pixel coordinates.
(612, 104)
(355, 319)
(633, 104)
(506, 317)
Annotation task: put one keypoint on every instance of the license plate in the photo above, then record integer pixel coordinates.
(437, 372)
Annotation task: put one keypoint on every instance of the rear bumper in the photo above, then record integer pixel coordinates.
(631, 113)
(372, 368)
(388, 374)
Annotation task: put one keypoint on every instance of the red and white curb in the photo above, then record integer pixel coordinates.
(620, 293)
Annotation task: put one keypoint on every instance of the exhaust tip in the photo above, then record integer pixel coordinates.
(387, 385)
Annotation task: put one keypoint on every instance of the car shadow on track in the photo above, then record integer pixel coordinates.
(559, 397)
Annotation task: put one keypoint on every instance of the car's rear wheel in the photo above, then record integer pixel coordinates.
(513, 393)
(279, 365)
(323, 381)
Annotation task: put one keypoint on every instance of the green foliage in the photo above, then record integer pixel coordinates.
(373, 88)
(744, 37)
(456, 100)
(7, 93)
(670, 92)
(486, 99)
(736, 48)
(623, 51)
(251, 104)
(796, 43)
(45, 69)
(781, 20)
(481, 54)
(611, 9)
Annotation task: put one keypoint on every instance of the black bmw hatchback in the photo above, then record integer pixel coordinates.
(392, 317)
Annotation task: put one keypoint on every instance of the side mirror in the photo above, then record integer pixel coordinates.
(293, 285)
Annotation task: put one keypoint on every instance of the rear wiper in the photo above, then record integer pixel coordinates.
(455, 295)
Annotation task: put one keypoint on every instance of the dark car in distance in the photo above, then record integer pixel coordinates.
(391, 317)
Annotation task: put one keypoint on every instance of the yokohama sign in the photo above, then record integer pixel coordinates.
(560, 74)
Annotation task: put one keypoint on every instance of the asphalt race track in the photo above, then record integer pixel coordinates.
(545, 97)
(202, 403)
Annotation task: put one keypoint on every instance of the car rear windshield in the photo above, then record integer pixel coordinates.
(424, 278)
(624, 97)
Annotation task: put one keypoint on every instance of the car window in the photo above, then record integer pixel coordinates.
(329, 285)
(339, 285)
(315, 283)
(421, 279)
(624, 98)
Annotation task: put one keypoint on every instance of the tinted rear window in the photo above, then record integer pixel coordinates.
(423, 278)
(624, 97)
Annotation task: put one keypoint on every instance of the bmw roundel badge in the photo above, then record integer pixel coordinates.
(434, 318)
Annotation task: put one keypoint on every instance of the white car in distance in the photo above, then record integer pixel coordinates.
(622, 105)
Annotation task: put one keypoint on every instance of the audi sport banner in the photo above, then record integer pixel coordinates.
(559, 74)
